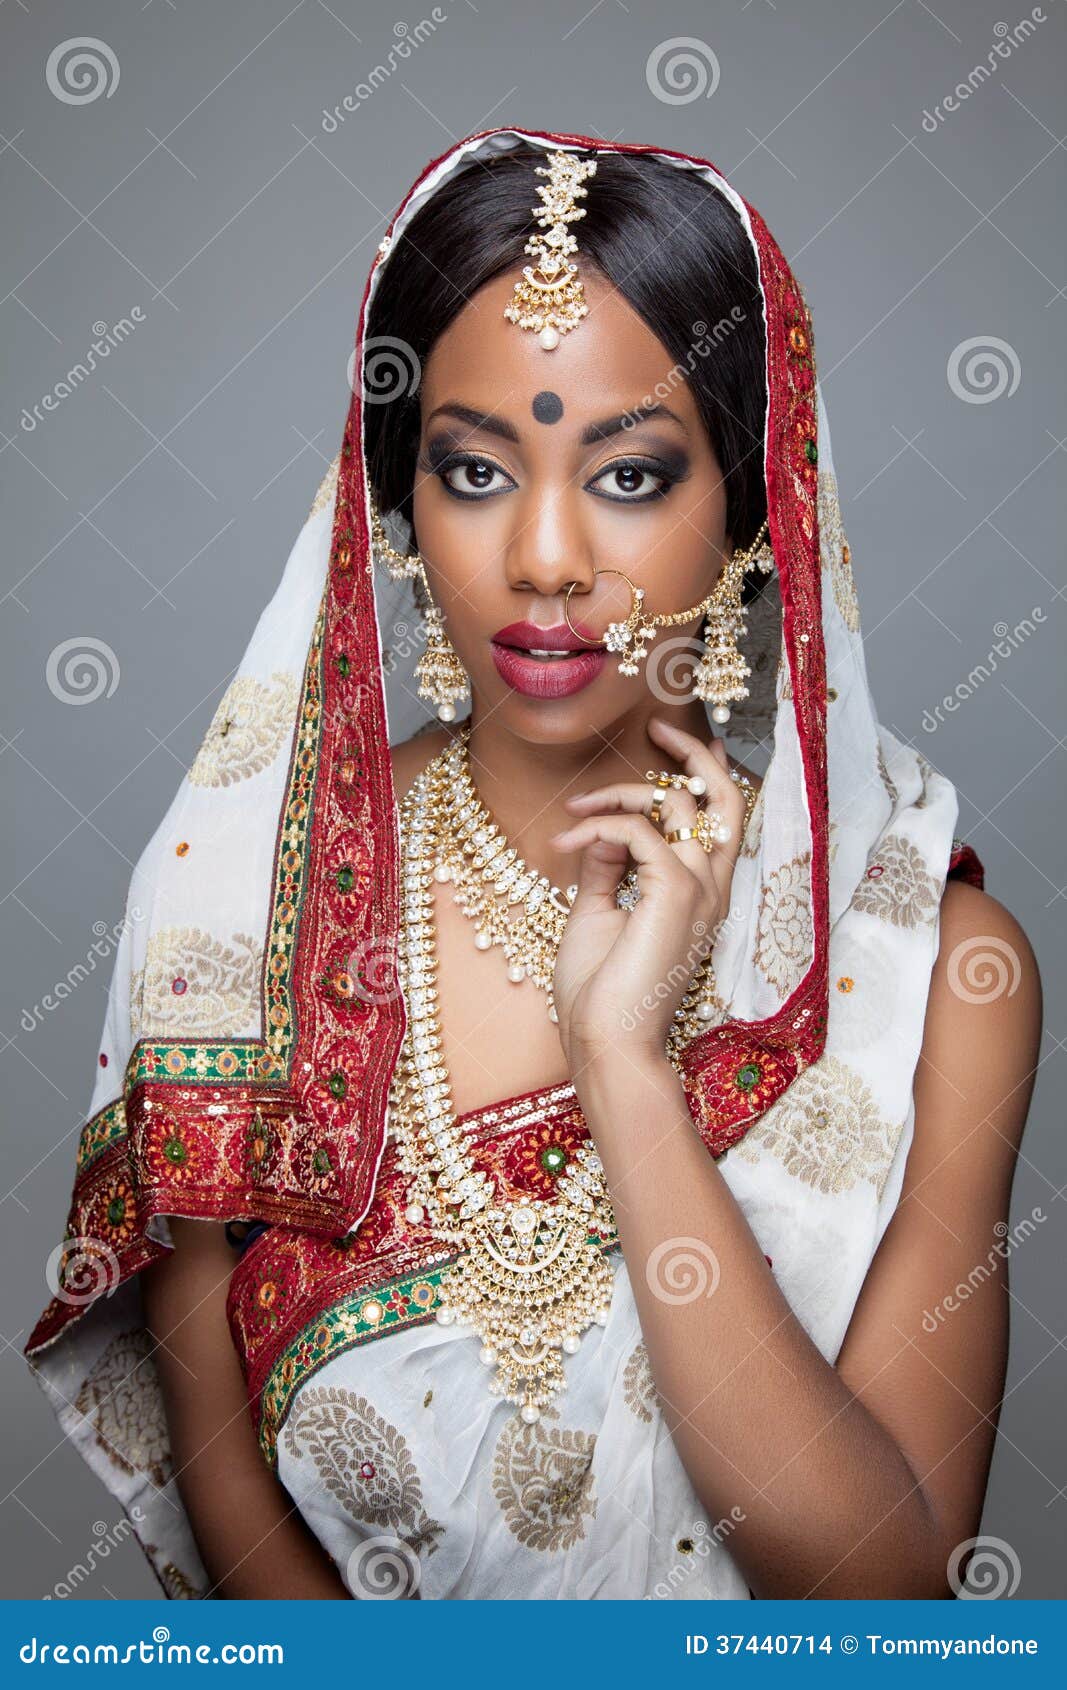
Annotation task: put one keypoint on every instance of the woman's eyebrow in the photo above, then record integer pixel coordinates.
(594, 431)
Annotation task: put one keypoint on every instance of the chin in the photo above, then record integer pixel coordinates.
(572, 721)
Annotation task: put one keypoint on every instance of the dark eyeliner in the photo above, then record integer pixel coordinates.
(670, 472)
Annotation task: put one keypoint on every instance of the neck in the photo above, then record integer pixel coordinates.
(524, 784)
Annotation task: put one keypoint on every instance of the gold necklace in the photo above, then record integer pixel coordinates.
(518, 909)
(533, 1276)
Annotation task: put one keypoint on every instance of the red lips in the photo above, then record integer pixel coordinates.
(527, 636)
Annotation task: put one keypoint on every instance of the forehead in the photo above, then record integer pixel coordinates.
(611, 355)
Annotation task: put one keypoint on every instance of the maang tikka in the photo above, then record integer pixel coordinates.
(548, 297)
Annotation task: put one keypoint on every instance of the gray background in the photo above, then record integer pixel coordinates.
(154, 508)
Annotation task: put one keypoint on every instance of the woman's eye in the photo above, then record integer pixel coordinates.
(631, 483)
(470, 478)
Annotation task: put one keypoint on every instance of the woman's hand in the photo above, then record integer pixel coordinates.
(620, 975)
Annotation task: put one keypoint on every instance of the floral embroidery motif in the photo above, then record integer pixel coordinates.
(363, 1461)
(327, 488)
(836, 555)
(638, 1386)
(247, 730)
(220, 997)
(543, 1481)
(121, 1396)
(783, 936)
(897, 885)
(826, 1131)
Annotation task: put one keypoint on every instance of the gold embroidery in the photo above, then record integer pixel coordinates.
(363, 1461)
(248, 728)
(543, 1481)
(826, 1130)
(121, 1396)
(175, 1583)
(750, 843)
(783, 937)
(638, 1386)
(897, 886)
(195, 985)
(883, 770)
(836, 556)
(327, 488)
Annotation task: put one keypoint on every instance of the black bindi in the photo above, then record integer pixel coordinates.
(547, 406)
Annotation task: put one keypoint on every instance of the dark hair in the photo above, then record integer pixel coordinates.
(668, 241)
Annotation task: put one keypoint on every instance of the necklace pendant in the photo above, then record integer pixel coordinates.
(531, 1283)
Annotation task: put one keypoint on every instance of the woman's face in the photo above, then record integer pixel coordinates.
(528, 479)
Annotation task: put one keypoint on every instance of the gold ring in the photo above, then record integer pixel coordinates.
(657, 799)
(677, 834)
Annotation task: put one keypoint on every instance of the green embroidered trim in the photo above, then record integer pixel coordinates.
(409, 1300)
(104, 1129)
(412, 1298)
(262, 1061)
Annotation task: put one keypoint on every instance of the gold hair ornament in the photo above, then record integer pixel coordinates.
(549, 297)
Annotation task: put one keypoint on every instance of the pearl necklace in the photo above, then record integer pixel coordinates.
(532, 1277)
(518, 909)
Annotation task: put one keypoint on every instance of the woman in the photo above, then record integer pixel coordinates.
(691, 1115)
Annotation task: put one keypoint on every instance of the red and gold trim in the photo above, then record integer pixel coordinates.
(297, 1300)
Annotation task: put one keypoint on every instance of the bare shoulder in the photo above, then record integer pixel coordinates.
(983, 1022)
(411, 756)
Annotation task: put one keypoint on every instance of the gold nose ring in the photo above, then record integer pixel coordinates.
(618, 636)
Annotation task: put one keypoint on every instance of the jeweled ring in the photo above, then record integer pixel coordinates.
(711, 829)
(696, 784)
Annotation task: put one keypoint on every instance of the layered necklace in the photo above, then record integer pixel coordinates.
(513, 906)
(531, 1276)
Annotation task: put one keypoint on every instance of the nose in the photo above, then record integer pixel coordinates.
(549, 548)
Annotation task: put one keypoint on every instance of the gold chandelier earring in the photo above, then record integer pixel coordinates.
(441, 677)
(719, 677)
